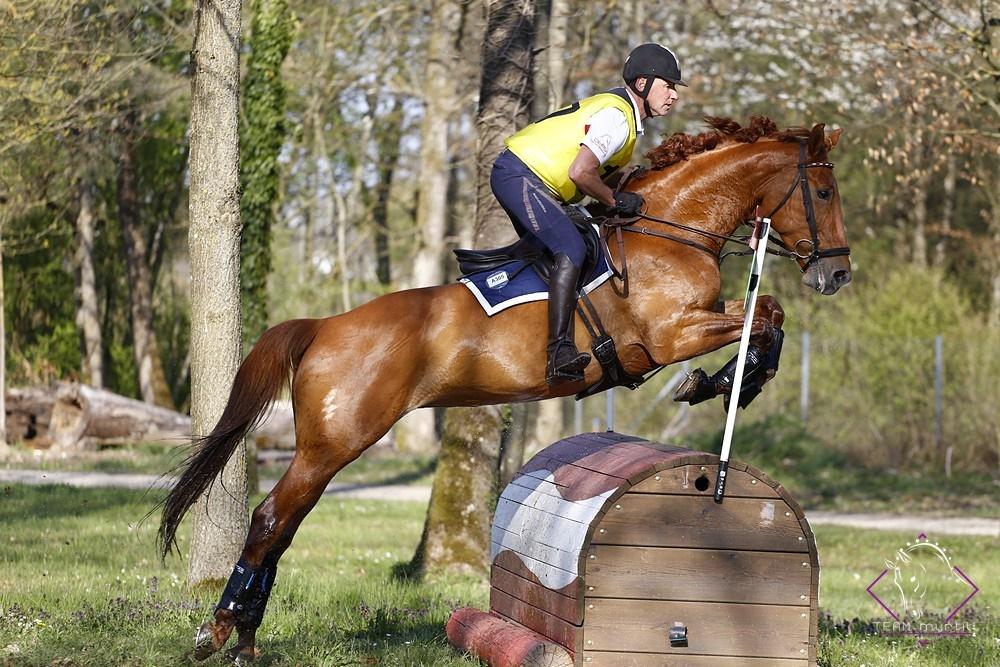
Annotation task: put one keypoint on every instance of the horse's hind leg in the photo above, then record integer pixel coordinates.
(322, 449)
(761, 363)
(272, 527)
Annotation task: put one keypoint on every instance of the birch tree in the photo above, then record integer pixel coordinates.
(88, 318)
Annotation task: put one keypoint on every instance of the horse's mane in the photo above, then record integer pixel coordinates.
(680, 146)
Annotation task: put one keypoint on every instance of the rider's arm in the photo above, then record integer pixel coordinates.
(607, 132)
(584, 172)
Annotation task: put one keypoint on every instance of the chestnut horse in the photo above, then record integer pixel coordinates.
(354, 375)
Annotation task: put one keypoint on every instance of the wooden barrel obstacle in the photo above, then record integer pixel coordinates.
(609, 551)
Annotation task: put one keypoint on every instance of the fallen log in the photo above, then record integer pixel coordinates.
(501, 643)
(84, 417)
(29, 410)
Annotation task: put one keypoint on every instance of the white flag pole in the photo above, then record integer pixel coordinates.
(758, 242)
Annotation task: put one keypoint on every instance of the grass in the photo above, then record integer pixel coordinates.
(80, 585)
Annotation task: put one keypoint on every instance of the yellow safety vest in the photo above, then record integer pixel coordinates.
(549, 146)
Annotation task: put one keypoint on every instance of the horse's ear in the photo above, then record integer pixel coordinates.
(832, 139)
(817, 141)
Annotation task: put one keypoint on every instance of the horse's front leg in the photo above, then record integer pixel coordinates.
(762, 355)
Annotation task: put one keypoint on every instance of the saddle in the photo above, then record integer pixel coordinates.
(474, 261)
(603, 346)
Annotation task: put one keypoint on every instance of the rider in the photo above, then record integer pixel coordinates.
(566, 155)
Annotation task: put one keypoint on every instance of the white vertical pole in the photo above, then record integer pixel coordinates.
(610, 408)
(759, 245)
(577, 417)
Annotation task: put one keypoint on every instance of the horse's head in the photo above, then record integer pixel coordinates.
(805, 205)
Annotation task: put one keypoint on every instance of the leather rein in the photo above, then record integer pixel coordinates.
(618, 225)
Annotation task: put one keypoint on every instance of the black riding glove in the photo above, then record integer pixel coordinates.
(628, 204)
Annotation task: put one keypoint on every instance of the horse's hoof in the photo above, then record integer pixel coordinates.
(242, 655)
(206, 641)
(695, 388)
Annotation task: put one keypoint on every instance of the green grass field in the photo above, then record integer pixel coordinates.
(80, 584)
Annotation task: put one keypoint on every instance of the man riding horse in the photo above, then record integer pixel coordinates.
(570, 153)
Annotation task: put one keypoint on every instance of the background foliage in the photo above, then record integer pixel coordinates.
(914, 84)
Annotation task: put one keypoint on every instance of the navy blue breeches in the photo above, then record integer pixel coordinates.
(533, 209)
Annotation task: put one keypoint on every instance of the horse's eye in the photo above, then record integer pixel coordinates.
(824, 193)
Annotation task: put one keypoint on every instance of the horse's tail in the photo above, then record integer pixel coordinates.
(264, 372)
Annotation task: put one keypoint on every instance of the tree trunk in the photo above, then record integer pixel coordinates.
(440, 81)
(504, 105)
(556, 56)
(462, 500)
(87, 315)
(457, 530)
(262, 137)
(918, 218)
(549, 425)
(389, 133)
(153, 386)
(947, 210)
(416, 431)
(3, 349)
(220, 517)
(513, 442)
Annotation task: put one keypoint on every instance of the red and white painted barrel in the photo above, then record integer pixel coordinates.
(606, 545)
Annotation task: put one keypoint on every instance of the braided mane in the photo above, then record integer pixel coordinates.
(680, 146)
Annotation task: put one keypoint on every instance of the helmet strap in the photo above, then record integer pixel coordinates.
(642, 95)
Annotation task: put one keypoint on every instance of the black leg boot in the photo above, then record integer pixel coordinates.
(699, 387)
(566, 363)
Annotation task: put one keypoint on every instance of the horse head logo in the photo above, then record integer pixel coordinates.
(922, 576)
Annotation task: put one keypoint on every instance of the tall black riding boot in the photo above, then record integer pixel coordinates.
(566, 363)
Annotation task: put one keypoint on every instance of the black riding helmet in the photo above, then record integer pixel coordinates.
(651, 61)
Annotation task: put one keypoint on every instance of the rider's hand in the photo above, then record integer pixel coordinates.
(628, 204)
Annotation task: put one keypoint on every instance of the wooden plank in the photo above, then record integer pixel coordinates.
(518, 565)
(551, 627)
(554, 568)
(576, 482)
(620, 459)
(681, 480)
(697, 522)
(765, 631)
(539, 481)
(535, 525)
(657, 573)
(615, 659)
(533, 593)
(582, 513)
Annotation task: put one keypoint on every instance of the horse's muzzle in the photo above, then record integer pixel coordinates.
(828, 275)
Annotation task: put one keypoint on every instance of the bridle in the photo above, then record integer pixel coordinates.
(801, 182)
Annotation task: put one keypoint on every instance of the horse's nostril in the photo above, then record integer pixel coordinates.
(842, 277)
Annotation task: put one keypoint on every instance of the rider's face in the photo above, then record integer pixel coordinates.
(661, 97)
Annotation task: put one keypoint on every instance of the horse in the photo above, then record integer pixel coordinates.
(353, 375)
